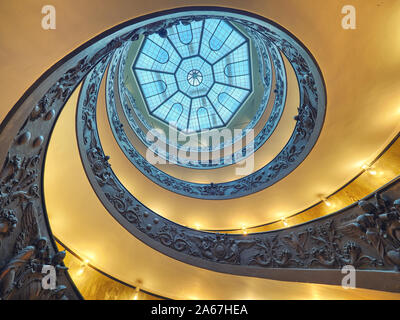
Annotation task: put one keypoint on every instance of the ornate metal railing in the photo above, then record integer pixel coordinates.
(26, 240)
(366, 236)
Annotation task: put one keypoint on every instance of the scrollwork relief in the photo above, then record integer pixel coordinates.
(21, 277)
(24, 249)
(321, 244)
(369, 240)
(379, 227)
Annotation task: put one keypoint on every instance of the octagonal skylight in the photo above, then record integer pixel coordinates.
(197, 77)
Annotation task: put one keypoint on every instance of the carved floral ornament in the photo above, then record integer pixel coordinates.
(369, 239)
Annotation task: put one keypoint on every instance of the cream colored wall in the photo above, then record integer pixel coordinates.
(360, 67)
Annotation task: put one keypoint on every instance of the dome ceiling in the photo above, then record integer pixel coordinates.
(245, 118)
(196, 76)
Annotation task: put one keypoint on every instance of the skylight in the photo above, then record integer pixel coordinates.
(197, 77)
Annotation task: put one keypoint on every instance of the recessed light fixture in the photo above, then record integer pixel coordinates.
(283, 219)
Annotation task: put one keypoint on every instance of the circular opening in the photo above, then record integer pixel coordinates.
(195, 77)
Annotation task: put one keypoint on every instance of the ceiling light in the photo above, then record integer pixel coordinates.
(84, 263)
(136, 295)
(80, 271)
(327, 203)
(369, 169)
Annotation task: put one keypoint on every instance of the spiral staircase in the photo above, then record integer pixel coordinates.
(305, 182)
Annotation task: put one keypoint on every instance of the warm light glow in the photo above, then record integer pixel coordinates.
(369, 169)
(327, 203)
(84, 263)
(283, 219)
(197, 226)
(136, 295)
(80, 271)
